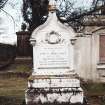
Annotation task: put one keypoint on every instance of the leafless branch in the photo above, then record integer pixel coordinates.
(10, 16)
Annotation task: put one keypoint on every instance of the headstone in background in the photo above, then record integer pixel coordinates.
(23, 45)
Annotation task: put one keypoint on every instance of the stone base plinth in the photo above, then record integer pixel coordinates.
(54, 89)
(35, 96)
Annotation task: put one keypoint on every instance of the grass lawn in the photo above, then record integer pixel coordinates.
(13, 83)
(12, 86)
(12, 91)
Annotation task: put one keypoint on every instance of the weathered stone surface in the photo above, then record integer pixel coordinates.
(54, 95)
(53, 80)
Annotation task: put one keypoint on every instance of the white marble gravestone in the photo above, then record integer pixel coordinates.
(53, 78)
(52, 48)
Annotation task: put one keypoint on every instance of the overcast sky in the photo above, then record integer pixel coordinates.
(9, 26)
(81, 3)
(13, 7)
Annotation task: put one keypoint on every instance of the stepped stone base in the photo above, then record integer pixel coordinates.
(54, 90)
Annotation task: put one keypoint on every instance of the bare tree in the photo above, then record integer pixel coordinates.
(2, 3)
(76, 17)
(35, 10)
(98, 3)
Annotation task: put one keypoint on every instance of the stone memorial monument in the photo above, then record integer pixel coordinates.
(54, 79)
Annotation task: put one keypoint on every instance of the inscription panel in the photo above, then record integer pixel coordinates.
(53, 57)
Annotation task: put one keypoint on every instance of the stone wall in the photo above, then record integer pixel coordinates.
(87, 55)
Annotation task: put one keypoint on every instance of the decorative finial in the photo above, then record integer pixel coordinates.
(52, 5)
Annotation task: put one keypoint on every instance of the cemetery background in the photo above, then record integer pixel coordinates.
(24, 67)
